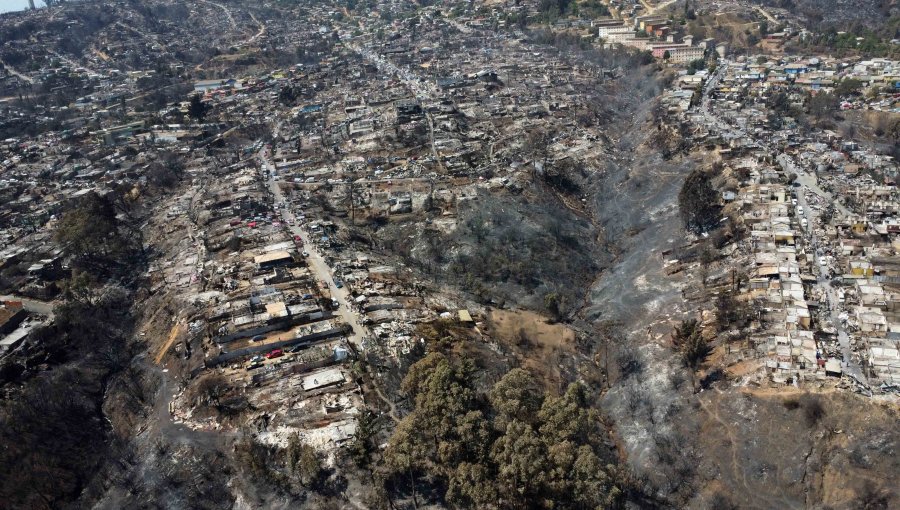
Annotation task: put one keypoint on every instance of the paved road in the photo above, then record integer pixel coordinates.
(316, 261)
(824, 281)
(154, 39)
(423, 90)
(227, 12)
(32, 305)
(809, 182)
(73, 63)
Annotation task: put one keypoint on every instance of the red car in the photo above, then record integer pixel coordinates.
(277, 353)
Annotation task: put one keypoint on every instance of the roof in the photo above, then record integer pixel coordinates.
(271, 257)
(276, 309)
(9, 310)
(322, 379)
(465, 316)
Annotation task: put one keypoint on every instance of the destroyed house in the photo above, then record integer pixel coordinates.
(12, 313)
(273, 260)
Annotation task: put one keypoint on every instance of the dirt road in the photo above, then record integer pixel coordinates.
(650, 9)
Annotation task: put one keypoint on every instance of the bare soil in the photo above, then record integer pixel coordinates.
(539, 341)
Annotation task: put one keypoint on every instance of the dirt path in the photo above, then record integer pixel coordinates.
(173, 334)
(391, 406)
(650, 9)
(732, 442)
(262, 30)
(765, 14)
(761, 499)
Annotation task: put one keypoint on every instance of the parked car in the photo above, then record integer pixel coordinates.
(258, 338)
(277, 353)
(339, 284)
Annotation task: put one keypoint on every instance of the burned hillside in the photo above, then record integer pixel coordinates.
(400, 255)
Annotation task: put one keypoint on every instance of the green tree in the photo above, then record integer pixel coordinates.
(554, 304)
(537, 452)
(197, 109)
(516, 396)
(692, 347)
(567, 418)
(472, 486)
(303, 461)
(406, 455)
(362, 445)
(822, 105)
(445, 427)
(592, 487)
(848, 87)
(521, 461)
(474, 437)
